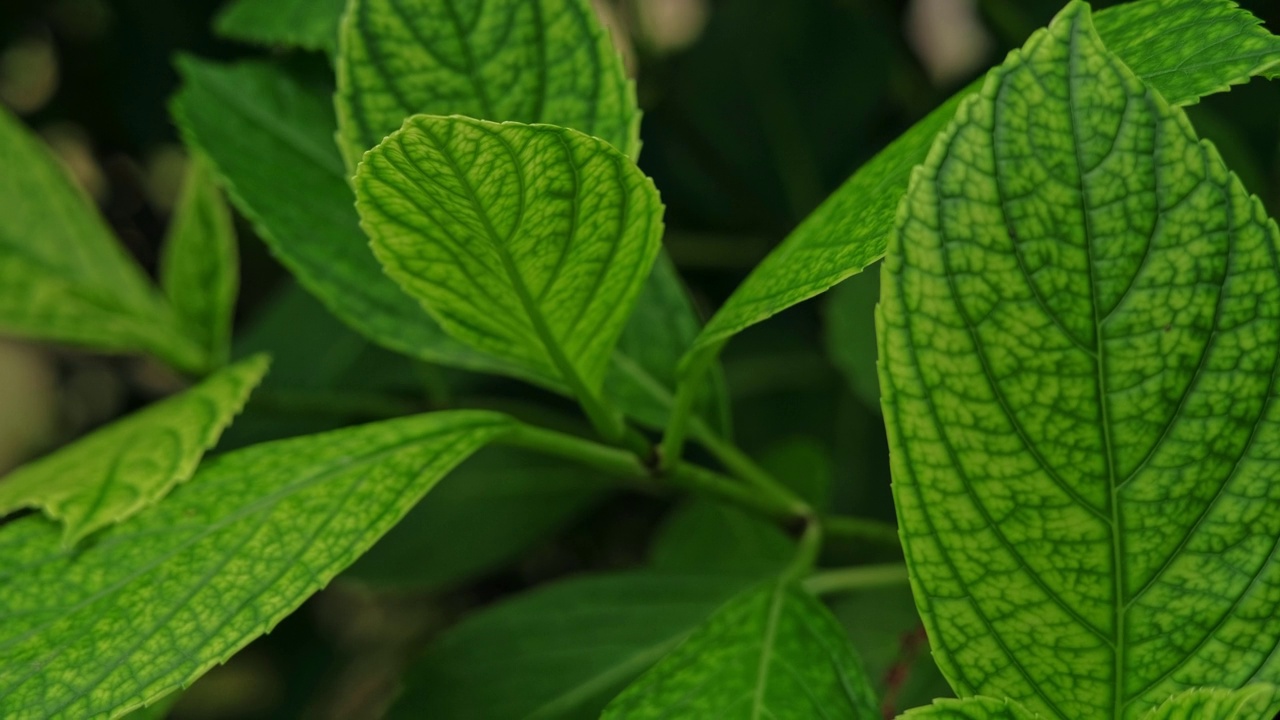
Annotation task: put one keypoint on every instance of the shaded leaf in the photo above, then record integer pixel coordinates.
(772, 652)
(703, 536)
(309, 24)
(157, 601)
(1080, 329)
(132, 463)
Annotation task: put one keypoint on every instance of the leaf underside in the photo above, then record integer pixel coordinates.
(772, 652)
(1079, 327)
(157, 601)
(529, 242)
(1185, 49)
(132, 463)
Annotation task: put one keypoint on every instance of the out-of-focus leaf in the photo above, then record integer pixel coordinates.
(309, 24)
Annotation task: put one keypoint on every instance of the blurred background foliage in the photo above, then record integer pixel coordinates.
(755, 110)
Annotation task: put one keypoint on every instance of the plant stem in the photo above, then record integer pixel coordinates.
(862, 577)
(855, 528)
(693, 371)
(740, 464)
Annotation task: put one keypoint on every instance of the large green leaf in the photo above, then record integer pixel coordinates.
(132, 463)
(529, 242)
(529, 61)
(200, 270)
(270, 137)
(1080, 328)
(559, 652)
(974, 708)
(772, 652)
(310, 24)
(157, 601)
(63, 276)
(1254, 702)
(1183, 48)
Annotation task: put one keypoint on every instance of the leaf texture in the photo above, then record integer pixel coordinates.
(974, 708)
(529, 242)
(1078, 341)
(561, 651)
(1183, 48)
(200, 271)
(132, 463)
(773, 652)
(529, 61)
(309, 24)
(63, 276)
(1254, 702)
(157, 601)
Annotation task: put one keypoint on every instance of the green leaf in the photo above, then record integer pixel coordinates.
(703, 536)
(974, 708)
(1079, 337)
(560, 651)
(157, 601)
(132, 463)
(529, 242)
(309, 24)
(1253, 702)
(851, 335)
(483, 516)
(1183, 48)
(63, 276)
(270, 137)
(772, 652)
(539, 61)
(200, 270)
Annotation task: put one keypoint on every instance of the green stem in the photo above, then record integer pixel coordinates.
(693, 372)
(740, 464)
(855, 528)
(863, 577)
(806, 554)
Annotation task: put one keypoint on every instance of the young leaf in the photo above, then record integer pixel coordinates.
(483, 516)
(772, 652)
(157, 601)
(1252, 702)
(974, 708)
(1183, 48)
(529, 242)
(309, 24)
(132, 463)
(1079, 330)
(200, 270)
(63, 277)
(270, 138)
(529, 61)
(560, 651)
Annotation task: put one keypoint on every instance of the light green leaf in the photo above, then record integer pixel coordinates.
(132, 463)
(529, 242)
(1183, 48)
(63, 276)
(772, 652)
(200, 270)
(1079, 330)
(974, 708)
(528, 61)
(483, 516)
(157, 601)
(270, 138)
(561, 651)
(1253, 702)
(703, 536)
(309, 24)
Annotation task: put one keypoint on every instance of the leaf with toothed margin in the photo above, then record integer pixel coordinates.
(1184, 49)
(1079, 335)
(156, 601)
(527, 242)
(1253, 702)
(773, 651)
(528, 61)
(308, 24)
(132, 463)
(974, 708)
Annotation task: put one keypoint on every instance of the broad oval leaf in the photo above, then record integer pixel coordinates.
(200, 271)
(310, 24)
(529, 61)
(1183, 48)
(562, 651)
(63, 276)
(772, 652)
(529, 242)
(132, 463)
(1080, 327)
(974, 708)
(157, 601)
(1253, 702)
